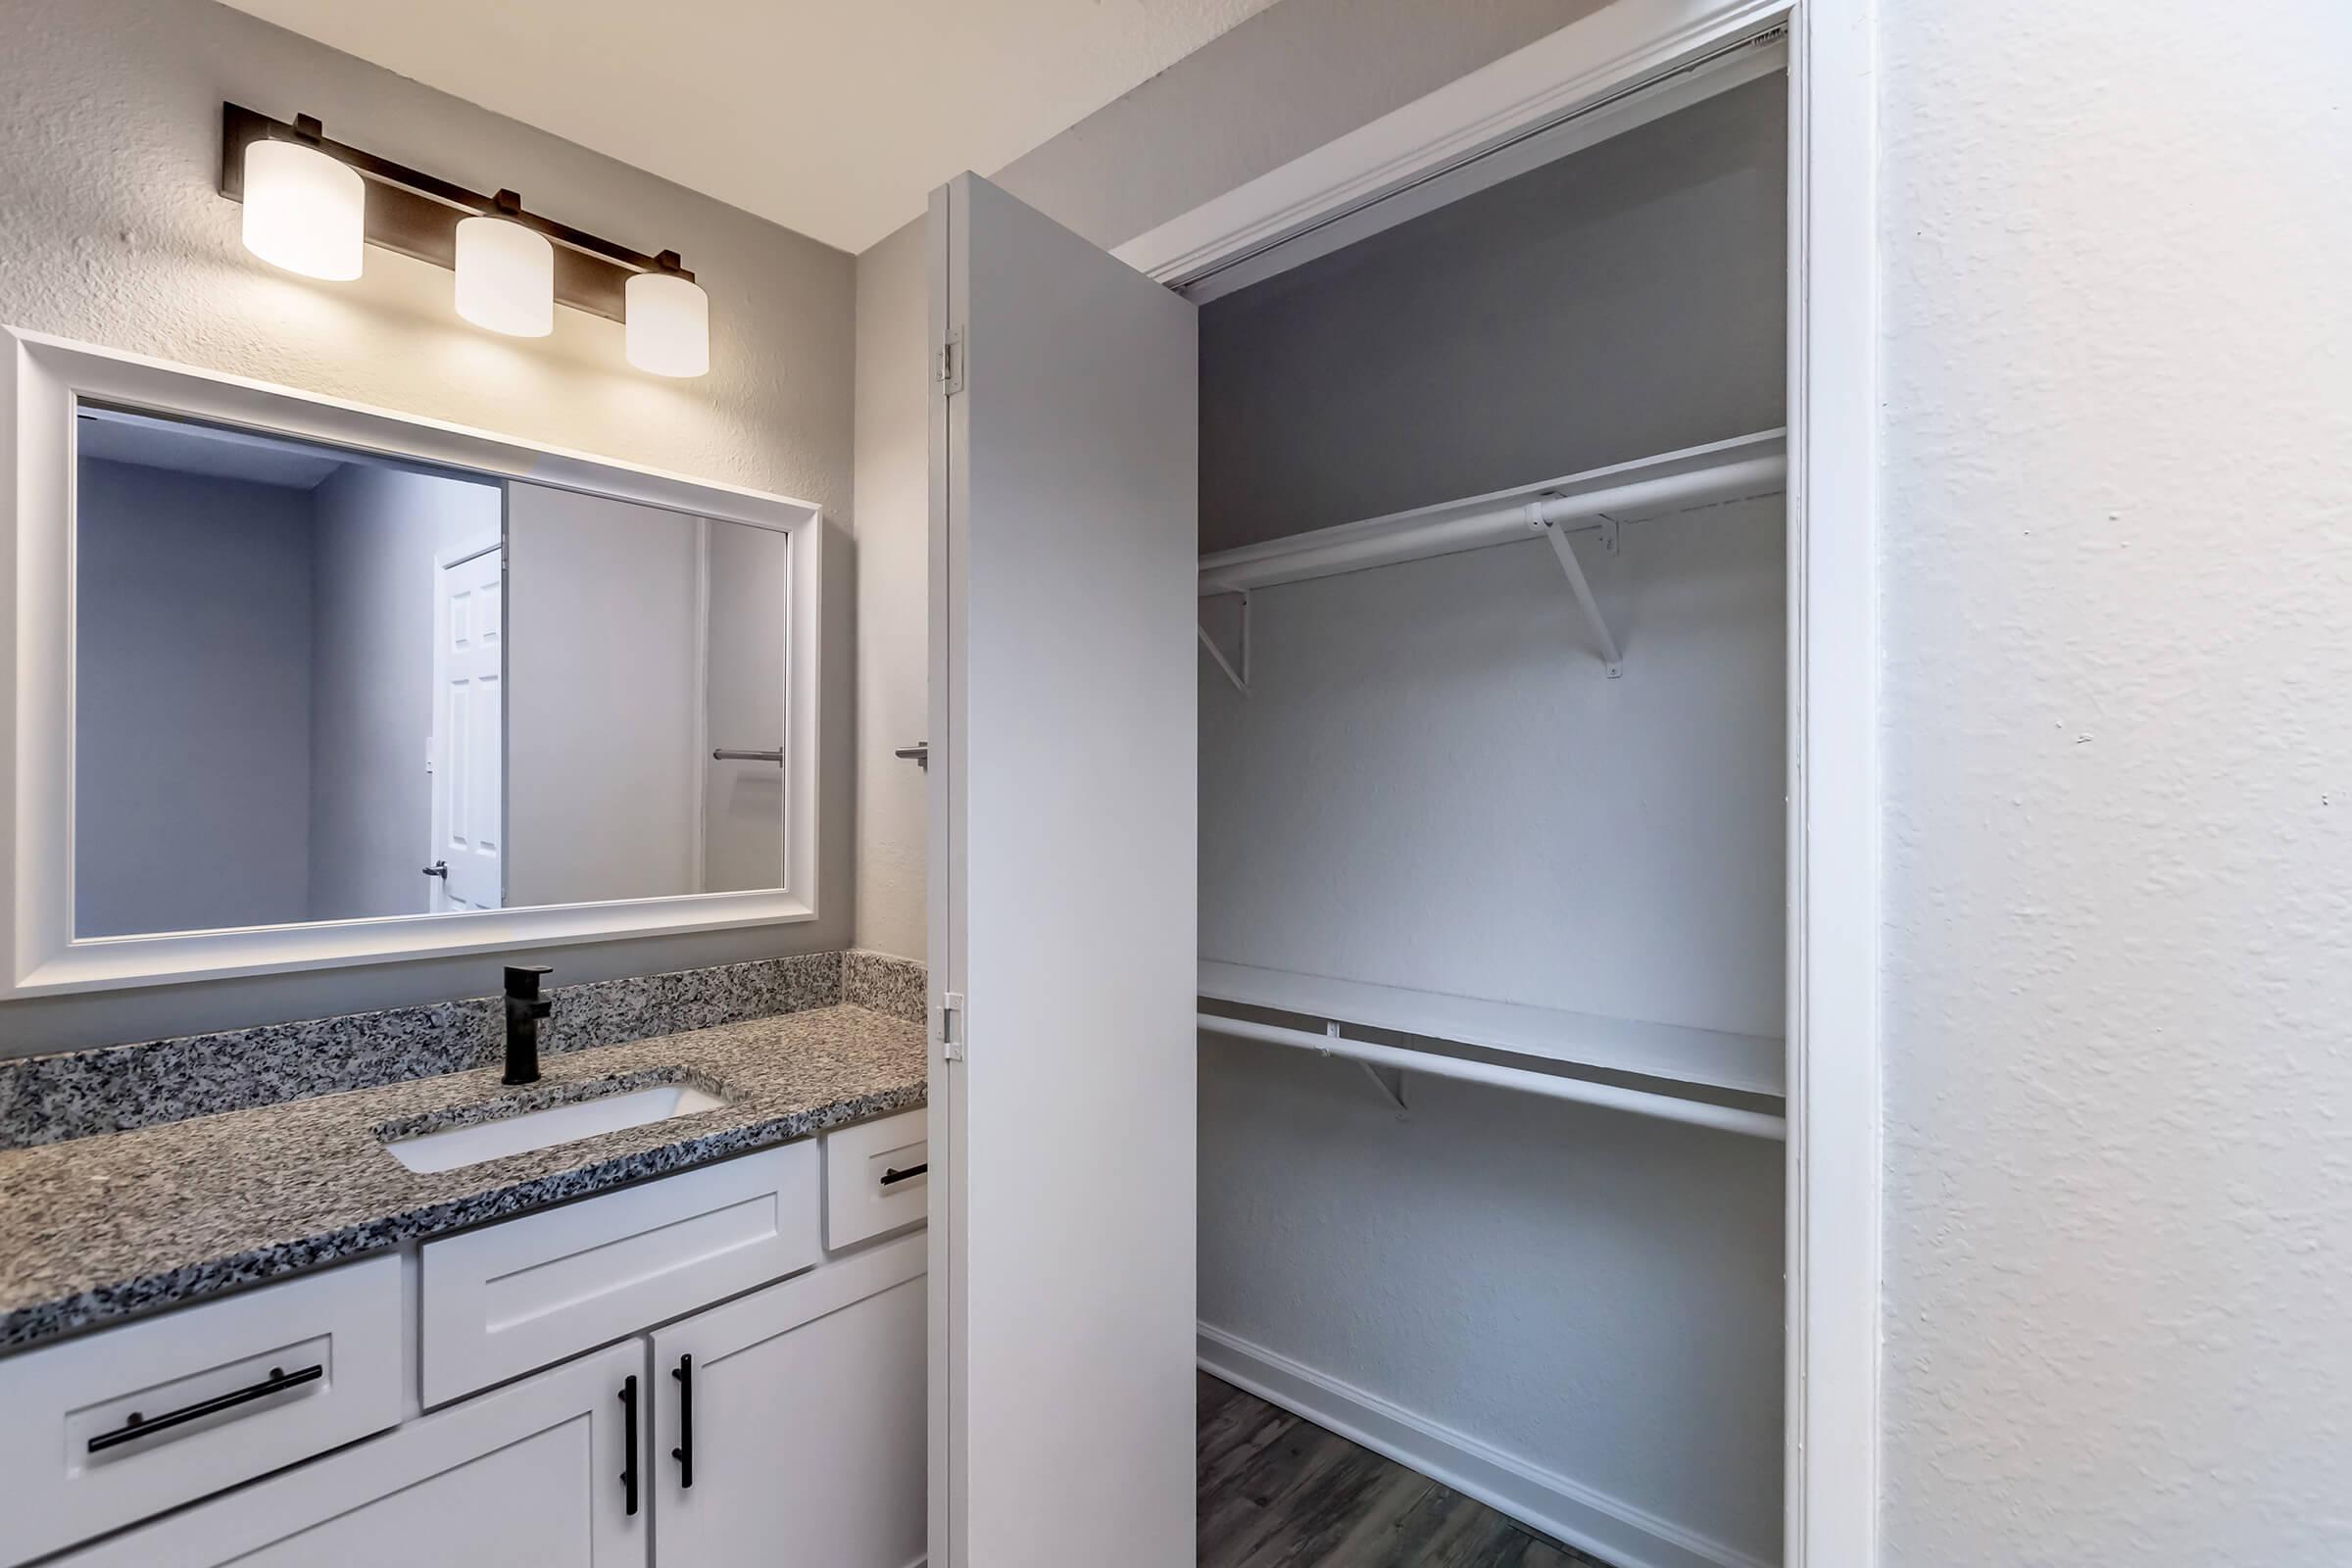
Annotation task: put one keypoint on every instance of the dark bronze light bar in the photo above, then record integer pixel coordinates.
(417, 213)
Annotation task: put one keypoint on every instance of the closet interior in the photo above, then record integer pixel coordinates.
(1492, 869)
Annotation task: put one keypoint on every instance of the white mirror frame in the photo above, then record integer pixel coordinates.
(46, 380)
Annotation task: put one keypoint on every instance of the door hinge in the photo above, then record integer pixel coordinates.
(951, 362)
(950, 1026)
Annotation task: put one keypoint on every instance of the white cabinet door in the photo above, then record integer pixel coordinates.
(1064, 738)
(532, 1476)
(790, 1423)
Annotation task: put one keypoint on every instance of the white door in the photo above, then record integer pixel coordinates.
(1064, 551)
(468, 829)
(799, 1410)
(535, 1473)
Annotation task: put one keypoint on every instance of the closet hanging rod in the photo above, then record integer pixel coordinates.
(1627, 492)
(1640, 1102)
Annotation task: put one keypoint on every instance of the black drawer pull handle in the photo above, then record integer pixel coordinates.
(629, 1444)
(891, 1178)
(684, 1451)
(136, 1426)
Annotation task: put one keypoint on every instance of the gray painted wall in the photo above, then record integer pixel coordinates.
(1494, 342)
(1433, 784)
(192, 701)
(893, 501)
(1284, 83)
(378, 532)
(604, 778)
(743, 698)
(115, 236)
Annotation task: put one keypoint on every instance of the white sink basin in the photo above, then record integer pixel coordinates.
(456, 1147)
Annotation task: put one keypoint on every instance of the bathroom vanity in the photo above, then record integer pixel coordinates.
(697, 1340)
(342, 1291)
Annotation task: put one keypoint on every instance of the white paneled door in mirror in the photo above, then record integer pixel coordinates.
(304, 684)
(1065, 554)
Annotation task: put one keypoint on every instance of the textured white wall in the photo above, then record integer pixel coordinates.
(113, 235)
(2117, 702)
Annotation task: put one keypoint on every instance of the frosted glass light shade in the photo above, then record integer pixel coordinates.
(304, 210)
(668, 325)
(506, 278)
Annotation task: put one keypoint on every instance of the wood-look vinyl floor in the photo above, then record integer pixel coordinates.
(1277, 1490)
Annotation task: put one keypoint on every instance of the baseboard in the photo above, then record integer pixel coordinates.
(1588, 1520)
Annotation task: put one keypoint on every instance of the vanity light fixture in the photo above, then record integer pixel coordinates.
(507, 272)
(304, 210)
(513, 267)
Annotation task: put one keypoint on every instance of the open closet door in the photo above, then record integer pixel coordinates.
(1064, 736)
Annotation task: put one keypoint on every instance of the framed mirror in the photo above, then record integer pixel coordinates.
(300, 684)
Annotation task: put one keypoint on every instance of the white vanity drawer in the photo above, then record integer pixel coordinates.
(108, 1429)
(509, 1297)
(877, 1177)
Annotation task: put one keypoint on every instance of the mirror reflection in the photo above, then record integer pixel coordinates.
(314, 684)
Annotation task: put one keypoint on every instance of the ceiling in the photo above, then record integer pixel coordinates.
(834, 118)
(201, 449)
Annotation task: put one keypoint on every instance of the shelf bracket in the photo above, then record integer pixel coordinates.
(1557, 537)
(1390, 1081)
(1240, 677)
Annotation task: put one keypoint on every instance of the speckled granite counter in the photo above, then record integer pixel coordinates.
(98, 1227)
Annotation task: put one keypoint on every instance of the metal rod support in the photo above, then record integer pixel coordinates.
(1390, 1081)
(1240, 677)
(725, 753)
(1577, 585)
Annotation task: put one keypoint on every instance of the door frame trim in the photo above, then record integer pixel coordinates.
(1834, 1169)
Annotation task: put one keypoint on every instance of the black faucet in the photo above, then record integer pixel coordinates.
(525, 1006)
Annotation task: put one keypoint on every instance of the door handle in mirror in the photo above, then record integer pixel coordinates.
(439, 868)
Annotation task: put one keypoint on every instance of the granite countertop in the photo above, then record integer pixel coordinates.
(95, 1229)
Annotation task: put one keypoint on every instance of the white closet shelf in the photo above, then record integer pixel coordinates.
(1597, 499)
(1640, 491)
(1709, 1057)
